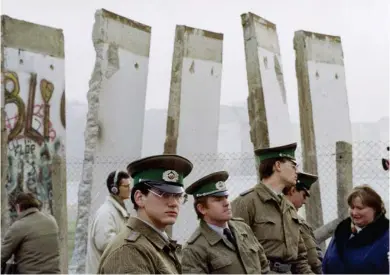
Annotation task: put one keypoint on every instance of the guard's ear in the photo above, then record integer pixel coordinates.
(292, 190)
(277, 165)
(139, 198)
(201, 208)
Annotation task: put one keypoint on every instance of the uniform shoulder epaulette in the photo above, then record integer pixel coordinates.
(294, 214)
(301, 218)
(247, 192)
(194, 236)
(304, 222)
(133, 236)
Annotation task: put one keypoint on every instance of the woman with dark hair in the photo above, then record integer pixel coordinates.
(361, 242)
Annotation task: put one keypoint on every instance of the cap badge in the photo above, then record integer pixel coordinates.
(170, 176)
(220, 185)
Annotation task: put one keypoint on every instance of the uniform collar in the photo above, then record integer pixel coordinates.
(272, 190)
(217, 229)
(148, 231)
(161, 232)
(265, 193)
(155, 238)
(211, 236)
(214, 237)
(27, 212)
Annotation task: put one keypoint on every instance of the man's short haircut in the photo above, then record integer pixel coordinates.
(27, 200)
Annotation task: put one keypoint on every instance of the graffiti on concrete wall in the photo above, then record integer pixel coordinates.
(33, 136)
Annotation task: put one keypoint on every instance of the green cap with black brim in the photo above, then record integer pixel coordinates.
(305, 181)
(164, 172)
(285, 151)
(210, 185)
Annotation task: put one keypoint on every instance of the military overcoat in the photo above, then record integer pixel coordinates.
(207, 252)
(275, 224)
(139, 248)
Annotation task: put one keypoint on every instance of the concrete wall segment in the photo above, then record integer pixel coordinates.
(36, 38)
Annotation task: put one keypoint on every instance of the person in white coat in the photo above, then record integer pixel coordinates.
(110, 218)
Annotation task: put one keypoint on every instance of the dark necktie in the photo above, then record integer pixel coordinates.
(229, 236)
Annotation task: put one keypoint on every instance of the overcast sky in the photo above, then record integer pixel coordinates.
(362, 25)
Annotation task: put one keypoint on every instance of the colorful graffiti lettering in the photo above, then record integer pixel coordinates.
(38, 116)
(39, 113)
(32, 138)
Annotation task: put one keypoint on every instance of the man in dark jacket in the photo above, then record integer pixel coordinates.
(32, 239)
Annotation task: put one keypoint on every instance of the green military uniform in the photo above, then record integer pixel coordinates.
(140, 247)
(275, 224)
(314, 253)
(209, 251)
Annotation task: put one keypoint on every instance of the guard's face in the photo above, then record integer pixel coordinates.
(217, 210)
(160, 208)
(124, 189)
(361, 214)
(298, 198)
(288, 172)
